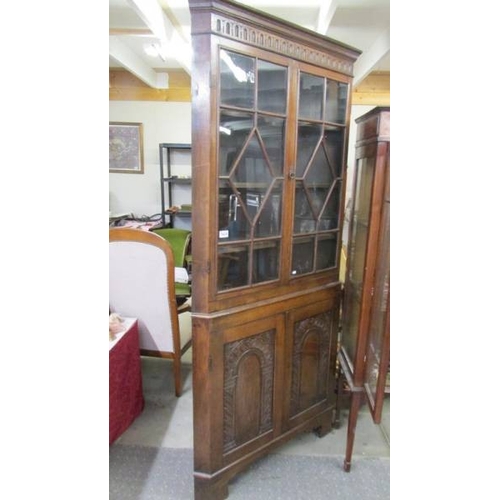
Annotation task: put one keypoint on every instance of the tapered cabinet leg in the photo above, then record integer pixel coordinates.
(351, 428)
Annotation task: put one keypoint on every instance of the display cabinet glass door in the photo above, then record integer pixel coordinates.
(252, 129)
(318, 173)
(377, 353)
(357, 254)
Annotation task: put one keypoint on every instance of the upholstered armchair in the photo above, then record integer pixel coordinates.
(141, 285)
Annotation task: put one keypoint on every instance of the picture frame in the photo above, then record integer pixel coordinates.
(126, 153)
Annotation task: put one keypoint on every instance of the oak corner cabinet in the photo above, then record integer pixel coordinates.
(270, 114)
(365, 339)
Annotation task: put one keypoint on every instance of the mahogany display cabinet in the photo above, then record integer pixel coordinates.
(365, 338)
(270, 114)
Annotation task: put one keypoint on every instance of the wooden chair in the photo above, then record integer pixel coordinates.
(141, 285)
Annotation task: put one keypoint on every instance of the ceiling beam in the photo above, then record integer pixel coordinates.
(370, 58)
(325, 16)
(133, 63)
(170, 39)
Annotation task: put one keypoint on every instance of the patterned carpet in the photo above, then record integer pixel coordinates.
(153, 459)
(146, 473)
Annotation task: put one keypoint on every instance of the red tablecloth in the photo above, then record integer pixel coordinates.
(126, 400)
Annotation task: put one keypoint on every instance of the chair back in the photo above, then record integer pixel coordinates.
(141, 285)
(179, 240)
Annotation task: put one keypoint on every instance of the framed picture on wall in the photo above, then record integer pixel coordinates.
(126, 148)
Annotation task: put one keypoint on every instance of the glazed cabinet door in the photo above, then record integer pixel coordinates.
(368, 246)
(251, 165)
(378, 346)
(281, 141)
(355, 290)
(318, 173)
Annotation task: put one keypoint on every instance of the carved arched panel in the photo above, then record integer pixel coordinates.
(248, 388)
(310, 362)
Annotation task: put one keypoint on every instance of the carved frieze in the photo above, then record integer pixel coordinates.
(270, 41)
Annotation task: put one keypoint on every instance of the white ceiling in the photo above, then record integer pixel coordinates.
(363, 24)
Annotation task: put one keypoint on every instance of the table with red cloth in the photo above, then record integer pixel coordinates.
(126, 400)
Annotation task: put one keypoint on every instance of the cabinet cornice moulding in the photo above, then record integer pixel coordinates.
(263, 31)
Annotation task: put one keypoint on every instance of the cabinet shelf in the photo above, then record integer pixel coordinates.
(179, 213)
(178, 180)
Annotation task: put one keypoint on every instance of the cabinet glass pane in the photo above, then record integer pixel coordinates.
(237, 80)
(333, 142)
(302, 256)
(272, 132)
(272, 87)
(377, 358)
(234, 223)
(234, 131)
(351, 310)
(309, 136)
(357, 252)
(327, 251)
(336, 101)
(361, 215)
(252, 169)
(265, 261)
(378, 313)
(304, 220)
(233, 266)
(267, 212)
(311, 95)
(330, 216)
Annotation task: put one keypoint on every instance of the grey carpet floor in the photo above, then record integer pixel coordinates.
(148, 473)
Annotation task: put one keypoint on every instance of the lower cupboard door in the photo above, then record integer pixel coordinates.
(310, 358)
(252, 379)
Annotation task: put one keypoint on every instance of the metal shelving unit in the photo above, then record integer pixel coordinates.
(168, 179)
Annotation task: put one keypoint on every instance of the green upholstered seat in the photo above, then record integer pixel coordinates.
(180, 241)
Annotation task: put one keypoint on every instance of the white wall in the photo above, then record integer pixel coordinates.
(140, 194)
